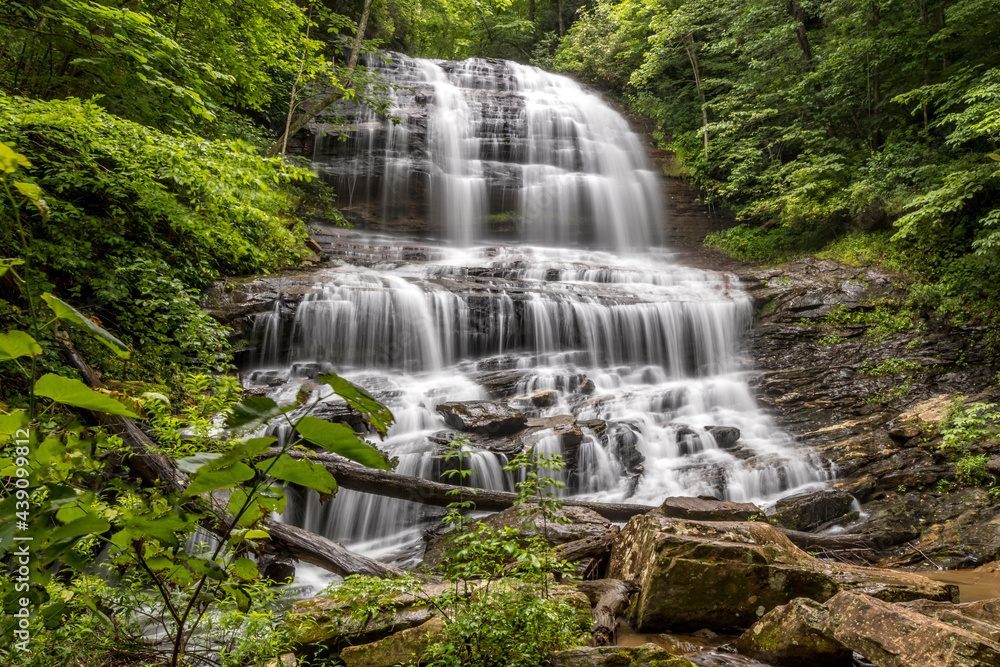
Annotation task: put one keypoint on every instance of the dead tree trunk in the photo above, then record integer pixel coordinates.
(594, 546)
(609, 599)
(368, 480)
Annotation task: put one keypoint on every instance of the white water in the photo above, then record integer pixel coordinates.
(583, 294)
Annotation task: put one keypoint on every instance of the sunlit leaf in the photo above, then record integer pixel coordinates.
(71, 315)
(341, 440)
(245, 569)
(16, 344)
(214, 480)
(302, 472)
(69, 391)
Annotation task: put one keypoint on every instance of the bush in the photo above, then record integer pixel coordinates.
(140, 220)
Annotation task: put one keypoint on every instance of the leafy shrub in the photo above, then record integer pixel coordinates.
(139, 220)
(969, 424)
(971, 470)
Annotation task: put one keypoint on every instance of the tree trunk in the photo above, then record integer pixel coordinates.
(315, 109)
(562, 27)
(609, 599)
(531, 10)
(692, 55)
(368, 480)
(795, 8)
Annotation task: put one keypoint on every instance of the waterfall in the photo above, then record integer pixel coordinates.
(548, 273)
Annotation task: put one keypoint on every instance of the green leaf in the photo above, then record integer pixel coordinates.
(253, 411)
(34, 194)
(302, 472)
(245, 569)
(192, 464)
(213, 480)
(12, 422)
(993, 156)
(358, 398)
(90, 524)
(243, 450)
(249, 510)
(18, 344)
(240, 597)
(73, 392)
(7, 264)
(341, 440)
(71, 315)
(11, 160)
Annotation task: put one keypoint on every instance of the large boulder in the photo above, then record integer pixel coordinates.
(402, 648)
(483, 417)
(618, 656)
(795, 635)
(708, 508)
(568, 524)
(920, 633)
(328, 620)
(981, 617)
(726, 574)
(893, 636)
(811, 509)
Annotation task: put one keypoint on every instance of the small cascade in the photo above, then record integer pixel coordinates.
(549, 278)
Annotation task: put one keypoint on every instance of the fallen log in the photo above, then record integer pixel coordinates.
(369, 480)
(592, 546)
(609, 599)
(416, 489)
(157, 469)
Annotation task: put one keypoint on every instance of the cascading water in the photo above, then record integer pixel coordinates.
(640, 352)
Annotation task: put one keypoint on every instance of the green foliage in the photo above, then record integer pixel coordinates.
(137, 221)
(968, 424)
(501, 608)
(971, 470)
(63, 493)
(822, 125)
(893, 366)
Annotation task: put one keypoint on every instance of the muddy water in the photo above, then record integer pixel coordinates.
(979, 584)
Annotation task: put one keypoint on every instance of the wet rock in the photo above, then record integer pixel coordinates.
(545, 399)
(795, 635)
(726, 437)
(279, 569)
(508, 446)
(586, 386)
(809, 510)
(721, 575)
(708, 508)
(483, 417)
(893, 636)
(402, 648)
(618, 656)
(502, 384)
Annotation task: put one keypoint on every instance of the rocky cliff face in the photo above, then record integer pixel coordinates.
(849, 391)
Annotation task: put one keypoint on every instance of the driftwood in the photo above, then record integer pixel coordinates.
(592, 546)
(368, 480)
(609, 599)
(285, 539)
